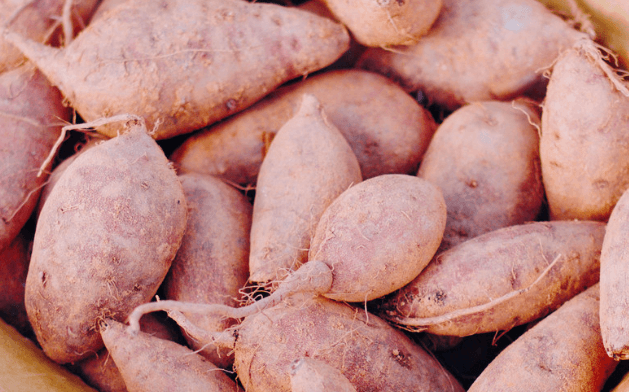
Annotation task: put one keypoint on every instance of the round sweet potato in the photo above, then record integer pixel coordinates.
(485, 159)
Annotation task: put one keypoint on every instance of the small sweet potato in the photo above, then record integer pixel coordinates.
(614, 311)
(185, 63)
(386, 22)
(31, 113)
(562, 353)
(387, 130)
(148, 363)
(309, 164)
(584, 149)
(500, 279)
(485, 159)
(103, 243)
(212, 264)
(477, 51)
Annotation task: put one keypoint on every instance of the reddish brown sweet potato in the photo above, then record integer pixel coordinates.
(212, 264)
(563, 353)
(148, 363)
(308, 165)
(501, 279)
(584, 148)
(387, 130)
(31, 113)
(485, 159)
(477, 51)
(185, 63)
(104, 242)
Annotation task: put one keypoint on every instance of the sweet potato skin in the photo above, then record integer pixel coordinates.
(212, 264)
(172, 367)
(563, 352)
(31, 112)
(204, 60)
(485, 159)
(386, 23)
(100, 249)
(580, 181)
(378, 235)
(495, 264)
(307, 167)
(614, 294)
(477, 51)
(13, 269)
(368, 351)
(384, 141)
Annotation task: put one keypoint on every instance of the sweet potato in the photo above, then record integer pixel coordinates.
(101, 372)
(25, 368)
(370, 353)
(477, 51)
(311, 375)
(32, 114)
(38, 21)
(185, 63)
(386, 22)
(13, 268)
(372, 240)
(500, 279)
(584, 149)
(485, 159)
(212, 264)
(148, 363)
(614, 295)
(564, 352)
(104, 242)
(308, 165)
(385, 141)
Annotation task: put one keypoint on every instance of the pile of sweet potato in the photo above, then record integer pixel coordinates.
(382, 195)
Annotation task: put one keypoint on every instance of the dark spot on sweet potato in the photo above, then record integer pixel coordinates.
(402, 358)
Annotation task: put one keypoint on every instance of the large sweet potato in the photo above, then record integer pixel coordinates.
(104, 242)
(185, 63)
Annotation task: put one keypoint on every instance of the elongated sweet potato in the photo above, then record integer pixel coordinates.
(385, 141)
(501, 279)
(101, 372)
(477, 51)
(386, 22)
(212, 264)
(186, 63)
(37, 20)
(148, 363)
(308, 165)
(584, 149)
(485, 159)
(614, 295)
(104, 242)
(31, 113)
(564, 352)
